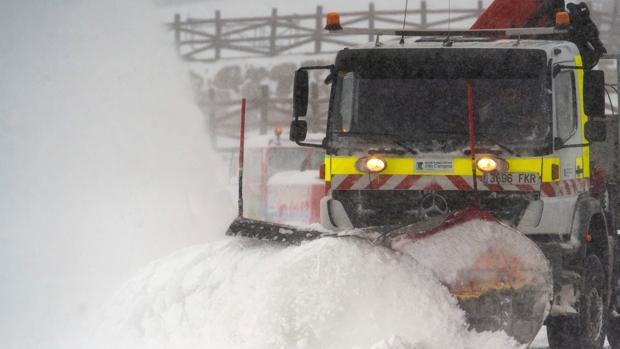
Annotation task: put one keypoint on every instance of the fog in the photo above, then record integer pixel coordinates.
(104, 162)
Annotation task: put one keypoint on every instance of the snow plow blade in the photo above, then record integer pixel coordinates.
(500, 278)
(261, 230)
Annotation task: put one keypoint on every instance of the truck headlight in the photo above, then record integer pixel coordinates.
(372, 164)
(489, 164)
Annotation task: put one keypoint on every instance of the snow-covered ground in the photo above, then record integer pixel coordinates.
(330, 293)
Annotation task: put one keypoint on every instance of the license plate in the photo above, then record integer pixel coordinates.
(511, 178)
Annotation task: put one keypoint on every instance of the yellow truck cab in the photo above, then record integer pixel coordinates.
(528, 121)
(427, 125)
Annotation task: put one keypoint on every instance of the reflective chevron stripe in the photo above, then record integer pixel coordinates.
(567, 187)
(451, 183)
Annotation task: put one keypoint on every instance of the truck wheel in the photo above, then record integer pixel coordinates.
(609, 203)
(587, 329)
(613, 332)
(613, 322)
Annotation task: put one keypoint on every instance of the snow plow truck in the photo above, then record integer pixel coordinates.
(486, 155)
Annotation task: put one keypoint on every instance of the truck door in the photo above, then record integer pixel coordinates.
(567, 132)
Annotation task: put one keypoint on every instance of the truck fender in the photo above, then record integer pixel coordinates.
(590, 219)
(588, 212)
(333, 214)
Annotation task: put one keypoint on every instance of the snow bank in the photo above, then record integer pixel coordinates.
(329, 293)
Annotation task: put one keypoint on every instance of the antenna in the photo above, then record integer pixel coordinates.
(449, 15)
(402, 38)
(448, 41)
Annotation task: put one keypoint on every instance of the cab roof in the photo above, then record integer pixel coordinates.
(471, 43)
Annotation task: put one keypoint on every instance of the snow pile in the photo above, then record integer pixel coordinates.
(329, 293)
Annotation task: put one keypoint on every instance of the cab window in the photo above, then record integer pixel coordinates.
(317, 158)
(252, 171)
(281, 160)
(565, 105)
(347, 102)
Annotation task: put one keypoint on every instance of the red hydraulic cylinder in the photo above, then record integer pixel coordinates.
(519, 14)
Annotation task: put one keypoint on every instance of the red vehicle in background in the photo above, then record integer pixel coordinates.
(282, 181)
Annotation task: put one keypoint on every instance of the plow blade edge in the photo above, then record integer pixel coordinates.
(500, 277)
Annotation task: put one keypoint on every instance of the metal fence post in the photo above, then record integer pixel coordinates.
(423, 15)
(371, 20)
(318, 34)
(263, 102)
(218, 35)
(274, 32)
(177, 31)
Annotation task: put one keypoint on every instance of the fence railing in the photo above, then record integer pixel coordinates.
(209, 40)
(264, 113)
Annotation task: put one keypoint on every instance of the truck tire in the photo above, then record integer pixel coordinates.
(587, 329)
(613, 322)
(613, 332)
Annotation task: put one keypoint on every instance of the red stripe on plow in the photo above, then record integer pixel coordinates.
(349, 182)
(457, 218)
(460, 183)
(434, 186)
(495, 187)
(407, 183)
(547, 188)
(525, 187)
(574, 183)
(378, 181)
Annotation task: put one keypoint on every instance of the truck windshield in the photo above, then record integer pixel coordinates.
(420, 97)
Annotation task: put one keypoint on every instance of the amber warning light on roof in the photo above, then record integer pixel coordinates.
(333, 21)
(562, 20)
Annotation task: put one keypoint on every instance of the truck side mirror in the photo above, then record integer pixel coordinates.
(595, 131)
(300, 94)
(594, 93)
(299, 130)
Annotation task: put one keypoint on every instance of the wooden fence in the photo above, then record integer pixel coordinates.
(264, 113)
(208, 40)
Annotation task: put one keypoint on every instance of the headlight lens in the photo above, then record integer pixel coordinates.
(374, 164)
(487, 164)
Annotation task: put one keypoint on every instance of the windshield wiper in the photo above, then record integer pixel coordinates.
(487, 137)
(405, 146)
(396, 139)
(447, 132)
